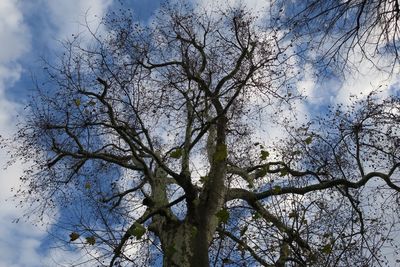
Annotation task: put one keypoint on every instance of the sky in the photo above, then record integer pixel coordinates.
(32, 29)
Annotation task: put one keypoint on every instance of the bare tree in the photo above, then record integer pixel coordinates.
(147, 140)
(338, 28)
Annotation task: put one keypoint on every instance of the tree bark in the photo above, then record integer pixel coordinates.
(177, 244)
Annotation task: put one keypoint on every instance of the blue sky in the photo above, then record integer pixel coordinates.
(29, 30)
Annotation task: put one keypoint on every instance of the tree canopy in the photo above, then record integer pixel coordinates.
(152, 143)
(340, 29)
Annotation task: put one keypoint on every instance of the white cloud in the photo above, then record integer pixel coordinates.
(256, 5)
(20, 243)
(13, 35)
(365, 80)
(70, 17)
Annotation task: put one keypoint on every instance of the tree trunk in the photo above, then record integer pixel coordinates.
(180, 248)
(186, 243)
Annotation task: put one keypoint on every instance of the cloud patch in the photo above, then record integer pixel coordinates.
(21, 244)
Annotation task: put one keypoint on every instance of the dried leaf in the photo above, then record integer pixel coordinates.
(137, 231)
(223, 215)
(327, 249)
(308, 140)
(91, 240)
(73, 236)
(264, 154)
(277, 189)
(176, 154)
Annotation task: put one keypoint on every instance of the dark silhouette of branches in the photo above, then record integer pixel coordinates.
(146, 140)
(340, 28)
